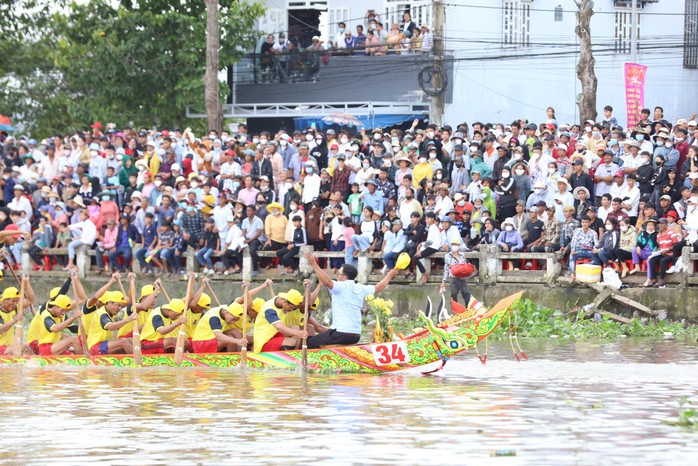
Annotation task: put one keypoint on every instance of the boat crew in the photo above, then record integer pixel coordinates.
(52, 340)
(210, 335)
(143, 305)
(270, 330)
(100, 339)
(9, 303)
(162, 323)
(347, 302)
(33, 331)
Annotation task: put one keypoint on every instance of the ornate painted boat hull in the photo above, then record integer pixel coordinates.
(434, 344)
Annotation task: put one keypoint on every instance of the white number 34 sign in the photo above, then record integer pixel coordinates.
(390, 353)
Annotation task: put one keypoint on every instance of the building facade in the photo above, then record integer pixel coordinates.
(505, 59)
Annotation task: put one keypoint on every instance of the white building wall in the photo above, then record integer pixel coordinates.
(522, 85)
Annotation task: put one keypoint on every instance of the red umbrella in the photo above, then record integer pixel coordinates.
(5, 120)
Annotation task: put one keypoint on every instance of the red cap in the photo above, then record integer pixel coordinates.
(13, 227)
(619, 173)
(97, 125)
(334, 145)
(673, 214)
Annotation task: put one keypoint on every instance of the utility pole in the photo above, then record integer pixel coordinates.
(438, 13)
(213, 105)
(633, 32)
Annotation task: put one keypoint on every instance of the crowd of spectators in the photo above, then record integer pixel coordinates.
(595, 191)
(289, 59)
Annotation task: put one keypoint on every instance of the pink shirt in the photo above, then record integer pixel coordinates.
(348, 232)
(109, 237)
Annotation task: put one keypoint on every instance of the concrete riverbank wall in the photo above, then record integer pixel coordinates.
(681, 302)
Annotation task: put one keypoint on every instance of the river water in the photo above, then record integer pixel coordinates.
(572, 403)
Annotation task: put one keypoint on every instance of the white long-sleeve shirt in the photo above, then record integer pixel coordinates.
(89, 231)
(433, 237)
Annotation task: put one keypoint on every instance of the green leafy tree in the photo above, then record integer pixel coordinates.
(128, 62)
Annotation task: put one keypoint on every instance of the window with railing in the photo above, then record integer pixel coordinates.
(516, 23)
(690, 41)
(623, 29)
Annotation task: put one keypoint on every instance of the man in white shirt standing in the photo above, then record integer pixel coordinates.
(631, 197)
(20, 202)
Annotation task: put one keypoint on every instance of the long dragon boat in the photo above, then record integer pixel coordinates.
(435, 343)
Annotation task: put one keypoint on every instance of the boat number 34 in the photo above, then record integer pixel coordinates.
(390, 353)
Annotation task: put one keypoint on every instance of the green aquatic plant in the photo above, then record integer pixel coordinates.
(538, 321)
(688, 415)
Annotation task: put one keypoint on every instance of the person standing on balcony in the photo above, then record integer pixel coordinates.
(338, 41)
(427, 39)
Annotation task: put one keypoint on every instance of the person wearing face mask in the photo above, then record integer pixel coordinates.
(522, 181)
(626, 244)
(311, 185)
(422, 170)
(98, 164)
(604, 250)
(645, 174)
(509, 240)
(659, 179)
(642, 136)
(108, 208)
(506, 195)
(669, 153)
(430, 137)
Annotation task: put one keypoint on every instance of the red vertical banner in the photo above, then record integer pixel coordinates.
(634, 91)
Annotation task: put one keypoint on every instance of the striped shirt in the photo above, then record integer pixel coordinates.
(582, 241)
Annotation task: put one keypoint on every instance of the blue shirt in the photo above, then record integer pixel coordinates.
(375, 200)
(149, 234)
(347, 301)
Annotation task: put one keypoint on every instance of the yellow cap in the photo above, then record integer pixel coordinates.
(257, 304)
(105, 297)
(62, 301)
(403, 260)
(54, 292)
(146, 291)
(116, 297)
(293, 296)
(204, 301)
(176, 305)
(10, 293)
(315, 305)
(235, 309)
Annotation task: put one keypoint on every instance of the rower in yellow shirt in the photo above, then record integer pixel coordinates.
(9, 304)
(143, 305)
(100, 338)
(199, 303)
(210, 334)
(294, 319)
(270, 331)
(32, 336)
(254, 306)
(162, 322)
(53, 322)
(94, 302)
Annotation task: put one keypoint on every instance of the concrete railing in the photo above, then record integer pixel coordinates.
(488, 259)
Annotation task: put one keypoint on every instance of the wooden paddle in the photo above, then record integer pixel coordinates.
(19, 331)
(136, 338)
(164, 293)
(19, 284)
(245, 302)
(304, 345)
(81, 327)
(213, 293)
(182, 335)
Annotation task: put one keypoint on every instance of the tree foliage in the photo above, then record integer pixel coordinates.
(127, 62)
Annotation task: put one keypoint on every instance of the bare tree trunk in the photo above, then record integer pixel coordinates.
(586, 101)
(213, 106)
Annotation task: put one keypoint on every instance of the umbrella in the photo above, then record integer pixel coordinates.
(6, 124)
(343, 119)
